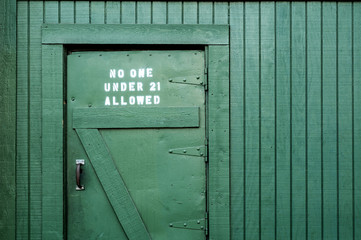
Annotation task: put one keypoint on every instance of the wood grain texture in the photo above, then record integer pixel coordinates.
(237, 120)
(267, 122)
(345, 122)
(283, 122)
(159, 12)
(357, 120)
(298, 120)
(157, 117)
(35, 178)
(134, 34)
(22, 124)
(251, 118)
(113, 184)
(329, 124)
(7, 117)
(314, 121)
(218, 113)
(52, 142)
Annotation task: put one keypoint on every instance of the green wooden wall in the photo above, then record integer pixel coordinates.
(295, 109)
(7, 117)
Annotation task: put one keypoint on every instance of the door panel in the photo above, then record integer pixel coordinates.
(145, 107)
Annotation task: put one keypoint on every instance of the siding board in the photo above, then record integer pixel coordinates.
(236, 120)
(357, 121)
(36, 19)
(345, 115)
(252, 128)
(267, 113)
(298, 120)
(329, 124)
(314, 116)
(283, 122)
(22, 124)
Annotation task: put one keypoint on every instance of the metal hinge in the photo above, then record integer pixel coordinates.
(193, 80)
(197, 224)
(198, 151)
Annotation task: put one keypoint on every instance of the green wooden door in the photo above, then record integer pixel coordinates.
(137, 119)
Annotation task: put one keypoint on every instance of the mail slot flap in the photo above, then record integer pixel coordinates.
(142, 117)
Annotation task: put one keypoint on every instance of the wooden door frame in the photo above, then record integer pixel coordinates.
(56, 38)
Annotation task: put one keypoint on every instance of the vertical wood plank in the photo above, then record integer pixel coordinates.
(67, 12)
(175, 12)
(112, 12)
(267, 107)
(159, 12)
(252, 124)
(283, 122)
(36, 20)
(298, 120)
(236, 115)
(22, 128)
(128, 12)
(144, 12)
(82, 12)
(52, 141)
(329, 163)
(51, 12)
(97, 12)
(190, 12)
(205, 12)
(221, 12)
(218, 105)
(345, 115)
(8, 118)
(357, 119)
(314, 124)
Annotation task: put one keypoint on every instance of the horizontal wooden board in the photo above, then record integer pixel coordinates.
(143, 117)
(134, 34)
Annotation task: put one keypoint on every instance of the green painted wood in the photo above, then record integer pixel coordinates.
(134, 34)
(35, 178)
(357, 121)
(205, 12)
(237, 120)
(345, 124)
(22, 124)
(283, 122)
(52, 142)
(67, 12)
(298, 121)
(8, 118)
(218, 133)
(144, 12)
(267, 121)
(175, 12)
(159, 12)
(147, 117)
(252, 123)
(329, 122)
(314, 121)
(221, 12)
(113, 184)
(128, 15)
(97, 12)
(190, 12)
(112, 12)
(82, 12)
(51, 11)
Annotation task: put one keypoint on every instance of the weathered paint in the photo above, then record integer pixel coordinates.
(7, 117)
(294, 97)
